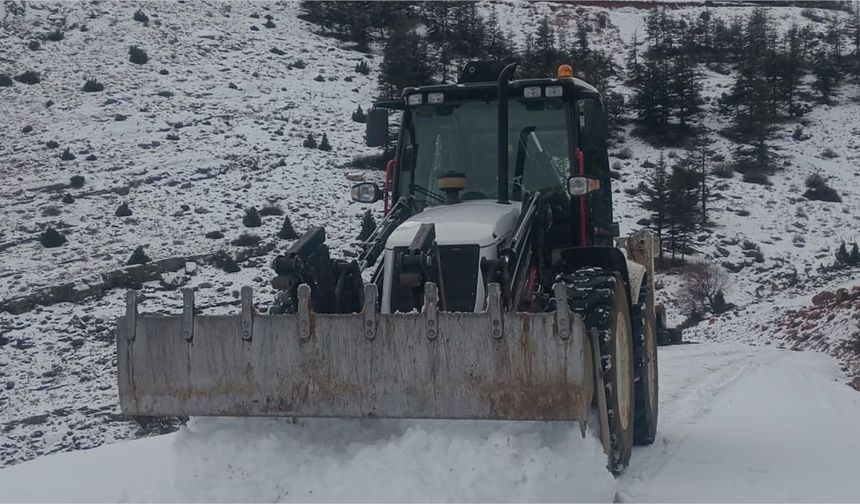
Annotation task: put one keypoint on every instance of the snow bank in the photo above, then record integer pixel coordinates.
(261, 459)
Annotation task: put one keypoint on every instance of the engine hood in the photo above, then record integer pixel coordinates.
(480, 223)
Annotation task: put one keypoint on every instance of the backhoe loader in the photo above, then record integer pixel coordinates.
(496, 287)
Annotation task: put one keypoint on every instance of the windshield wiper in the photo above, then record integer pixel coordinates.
(417, 188)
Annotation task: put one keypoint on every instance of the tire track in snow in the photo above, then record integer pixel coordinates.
(692, 377)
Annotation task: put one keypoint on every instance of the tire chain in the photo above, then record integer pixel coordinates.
(590, 293)
(637, 326)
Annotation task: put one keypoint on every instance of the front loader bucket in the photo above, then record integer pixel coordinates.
(490, 365)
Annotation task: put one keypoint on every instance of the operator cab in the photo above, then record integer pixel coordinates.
(448, 149)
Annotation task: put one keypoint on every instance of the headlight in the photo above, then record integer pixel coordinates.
(553, 91)
(577, 186)
(415, 99)
(580, 186)
(435, 98)
(531, 92)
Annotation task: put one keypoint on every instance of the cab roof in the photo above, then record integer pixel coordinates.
(571, 88)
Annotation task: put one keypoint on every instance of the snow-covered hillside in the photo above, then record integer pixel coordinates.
(211, 125)
(214, 123)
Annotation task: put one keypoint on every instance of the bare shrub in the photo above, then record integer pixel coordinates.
(702, 290)
(625, 153)
(818, 190)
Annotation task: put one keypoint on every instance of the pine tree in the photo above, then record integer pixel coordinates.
(655, 197)
(824, 68)
(468, 30)
(842, 256)
(682, 208)
(498, 45)
(440, 35)
(854, 29)
(790, 63)
(703, 32)
(529, 66)
(581, 48)
(653, 99)
(405, 61)
(660, 27)
(697, 157)
(686, 89)
(597, 69)
(752, 93)
(722, 39)
(854, 258)
(632, 64)
(546, 53)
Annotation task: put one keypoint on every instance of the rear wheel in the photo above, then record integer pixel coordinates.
(601, 298)
(645, 369)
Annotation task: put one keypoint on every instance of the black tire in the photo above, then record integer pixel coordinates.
(662, 331)
(645, 370)
(600, 296)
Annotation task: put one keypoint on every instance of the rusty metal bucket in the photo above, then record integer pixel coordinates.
(432, 364)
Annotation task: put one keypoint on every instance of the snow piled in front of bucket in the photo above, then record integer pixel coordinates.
(389, 460)
(276, 460)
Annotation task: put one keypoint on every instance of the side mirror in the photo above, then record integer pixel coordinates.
(366, 192)
(377, 127)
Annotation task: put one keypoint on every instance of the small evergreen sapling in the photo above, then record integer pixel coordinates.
(362, 67)
(141, 17)
(310, 142)
(138, 257)
(123, 210)
(137, 55)
(252, 218)
(76, 181)
(324, 145)
(225, 262)
(51, 238)
(368, 226)
(93, 86)
(287, 231)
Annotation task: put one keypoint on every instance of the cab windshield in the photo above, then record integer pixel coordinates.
(462, 137)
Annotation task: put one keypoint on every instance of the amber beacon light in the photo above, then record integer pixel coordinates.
(564, 71)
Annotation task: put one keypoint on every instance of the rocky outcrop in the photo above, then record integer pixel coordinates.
(130, 277)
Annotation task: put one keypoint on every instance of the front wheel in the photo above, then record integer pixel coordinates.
(645, 369)
(600, 296)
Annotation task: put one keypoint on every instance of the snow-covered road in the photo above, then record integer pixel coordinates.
(749, 424)
(737, 423)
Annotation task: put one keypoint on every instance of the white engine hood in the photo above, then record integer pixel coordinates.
(480, 222)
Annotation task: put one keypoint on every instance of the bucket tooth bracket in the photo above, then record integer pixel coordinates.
(188, 314)
(431, 310)
(369, 311)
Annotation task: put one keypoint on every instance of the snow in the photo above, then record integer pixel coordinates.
(743, 424)
(738, 423)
